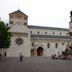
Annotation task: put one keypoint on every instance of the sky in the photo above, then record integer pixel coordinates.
(50, 13)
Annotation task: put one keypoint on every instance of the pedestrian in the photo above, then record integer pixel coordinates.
(21, 57)
(5, 54)
(0, 57)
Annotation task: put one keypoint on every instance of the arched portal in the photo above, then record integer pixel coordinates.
(39, 51)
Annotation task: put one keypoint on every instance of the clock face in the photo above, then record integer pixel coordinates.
(19, 41)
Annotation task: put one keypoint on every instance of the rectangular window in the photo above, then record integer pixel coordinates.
(53, 33)
(56, 45)
(48, 45)
(62, 43)
(38, 32)
(45, 32)
(32, 44)
(60, 33)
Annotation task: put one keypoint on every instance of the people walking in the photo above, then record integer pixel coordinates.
(21, 57)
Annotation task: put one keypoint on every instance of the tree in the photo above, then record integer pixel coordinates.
(5, 35)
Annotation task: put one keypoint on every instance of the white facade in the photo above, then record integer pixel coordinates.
(35, 40)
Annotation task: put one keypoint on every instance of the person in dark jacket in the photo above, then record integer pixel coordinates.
(21, 56)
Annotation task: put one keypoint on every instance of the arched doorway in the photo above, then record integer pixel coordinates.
(39, 51)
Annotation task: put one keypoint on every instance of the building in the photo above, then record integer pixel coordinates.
(36, 40)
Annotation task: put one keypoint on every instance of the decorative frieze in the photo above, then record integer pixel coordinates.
(50, 40)
(18, 34)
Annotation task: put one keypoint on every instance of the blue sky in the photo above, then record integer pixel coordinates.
(51, 13)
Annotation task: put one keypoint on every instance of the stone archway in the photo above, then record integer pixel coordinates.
(39, 51)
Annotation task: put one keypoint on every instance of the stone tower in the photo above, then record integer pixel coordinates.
(20, 40)
(18, 17)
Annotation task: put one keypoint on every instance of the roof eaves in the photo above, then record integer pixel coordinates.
(49, 28)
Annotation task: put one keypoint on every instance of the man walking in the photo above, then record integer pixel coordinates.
(21, 57)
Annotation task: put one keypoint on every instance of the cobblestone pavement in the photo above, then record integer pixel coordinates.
(35, 64)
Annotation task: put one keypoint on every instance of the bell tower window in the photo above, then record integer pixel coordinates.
(11, 16)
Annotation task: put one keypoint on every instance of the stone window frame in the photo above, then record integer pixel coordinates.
(38, 32)
(11, 16)
(45, 32)
(60, 33)
(62, 43)
(18, 16)
(32, 44)
(48, 45)
(53, 33)
(56, 45)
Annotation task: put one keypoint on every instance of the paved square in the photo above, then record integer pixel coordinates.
(35, 64)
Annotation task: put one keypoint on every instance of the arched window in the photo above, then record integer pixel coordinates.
(48, 45)
(53, 33)
(11, 16)
(56, 45)
(60, 33)
(45, 32)
(38, 32)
